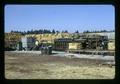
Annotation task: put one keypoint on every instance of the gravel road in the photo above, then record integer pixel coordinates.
(37, 66)
(65, 54)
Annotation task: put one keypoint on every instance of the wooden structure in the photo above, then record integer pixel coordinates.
(111, 45)
(62, 43)
(11, 40)
(75, 45)
(96, 42)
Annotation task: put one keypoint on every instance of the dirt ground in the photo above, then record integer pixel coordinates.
(37, 66)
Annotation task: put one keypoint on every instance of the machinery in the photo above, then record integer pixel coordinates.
(83, 42)
(86, 42)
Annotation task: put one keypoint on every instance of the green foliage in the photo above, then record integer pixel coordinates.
(98, 31)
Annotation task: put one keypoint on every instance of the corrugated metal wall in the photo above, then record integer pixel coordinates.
(28, 42)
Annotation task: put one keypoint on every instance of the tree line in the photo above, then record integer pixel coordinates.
(46, 31)
(40, 31)
(87, 31)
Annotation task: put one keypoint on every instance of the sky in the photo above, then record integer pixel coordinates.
(59, 17)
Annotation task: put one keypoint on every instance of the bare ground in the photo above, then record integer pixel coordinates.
(37, 66)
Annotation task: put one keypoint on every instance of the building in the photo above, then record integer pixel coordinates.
(111, 45)
(62, 43)
(110, 35)
(76, 44)
(11, 40)
(28, 42)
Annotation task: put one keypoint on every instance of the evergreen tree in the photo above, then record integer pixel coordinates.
(77, 31)
(11, 31)
(87, 31)
(66, 31)
(57, 31)
(53, 31)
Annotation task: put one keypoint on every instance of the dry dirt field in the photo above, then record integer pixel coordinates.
(36, 66)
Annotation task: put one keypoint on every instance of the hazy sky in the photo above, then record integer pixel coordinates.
(59, 17)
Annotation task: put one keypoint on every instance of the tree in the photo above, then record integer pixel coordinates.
(65, 31)
(104, 31)
(53, 31)
(31, 31)
(86, 31)
(58, 31)
(44, 31)
(77, 31)
(24, 32)
(62, 31)
(28, 32)
(11, 31)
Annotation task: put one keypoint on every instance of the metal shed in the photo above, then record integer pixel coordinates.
(28, 42)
